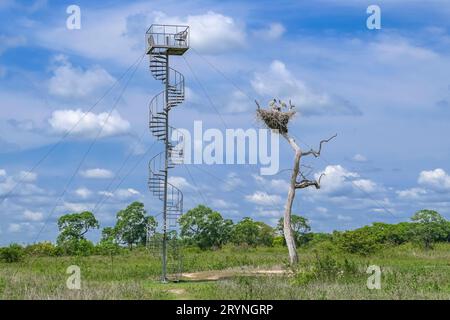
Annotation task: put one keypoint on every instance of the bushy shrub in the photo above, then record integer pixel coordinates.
(13, 253)
(41, 249)
(330, 267)
(326, 247)
(360, 241)
(74, 247)
(325, 267)
(316, 238)
(278, 241)
(107, 248)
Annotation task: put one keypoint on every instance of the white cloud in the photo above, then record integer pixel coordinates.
(222, 204)
(340, 182)
(14, 227)
(279, 82)
(133, 191)
(273, 31)
(436, 179)
(27, 176)
(322, 209)
(269, 213)
(97, 173)
(275, 185)
(210, 32)
(10, 186)
(120, 194)
(344, 217)
(88, 124)
(179, 182)
(262, 198)
(279, 184)
(106, 194)
(413, 193)
(23, 227)
(393, 49)
(2, 173)
(359, 158)
(434, 186)
(191, 96)
(366, 185)
(99, 38)
(127, 193)
(83, 193)
(238, 102)
(336, 179)
(76, 207)
(71, 82)
(232, 182)
(33, 216)
(7, 42)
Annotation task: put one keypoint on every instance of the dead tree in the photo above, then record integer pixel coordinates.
(276, 117)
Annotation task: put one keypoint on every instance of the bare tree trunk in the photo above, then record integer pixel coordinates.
(277, 120)
(288, 232)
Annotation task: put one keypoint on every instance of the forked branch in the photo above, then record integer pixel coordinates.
(305, 183)
(317, 153)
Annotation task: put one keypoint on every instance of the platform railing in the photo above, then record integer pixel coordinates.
(167, 36)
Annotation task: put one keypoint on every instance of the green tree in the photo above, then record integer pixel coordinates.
(245, 232)
(391, 234)
(13, 253)
(74, 226)
(300, 227)
(430, 227)
(361, 241)
(108, 245)
(266, 234)
(205, 228)
(132, 225)
(252, 233)
(108, 234)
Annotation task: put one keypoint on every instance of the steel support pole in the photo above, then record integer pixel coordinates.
(166, 168)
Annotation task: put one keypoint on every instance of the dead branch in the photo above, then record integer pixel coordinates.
(305, 183)
(317, 153)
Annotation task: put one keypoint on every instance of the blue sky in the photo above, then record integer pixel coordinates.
(386, 93)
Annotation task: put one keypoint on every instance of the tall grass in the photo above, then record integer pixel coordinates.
(408, 272)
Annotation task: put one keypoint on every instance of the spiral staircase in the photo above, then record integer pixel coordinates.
(163, 42)
(159, 109)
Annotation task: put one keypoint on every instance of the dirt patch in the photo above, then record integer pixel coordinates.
(177, 291)
(215, 275)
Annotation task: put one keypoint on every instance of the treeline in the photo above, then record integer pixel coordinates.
(207, 229)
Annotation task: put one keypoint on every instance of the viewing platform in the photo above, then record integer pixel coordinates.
(172, 39)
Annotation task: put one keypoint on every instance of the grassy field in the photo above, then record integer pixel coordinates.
(408, 272)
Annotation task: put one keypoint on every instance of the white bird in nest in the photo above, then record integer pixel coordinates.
(274, 105)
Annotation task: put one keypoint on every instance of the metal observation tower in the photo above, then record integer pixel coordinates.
(164, 41)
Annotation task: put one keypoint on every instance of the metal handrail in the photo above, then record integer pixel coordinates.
(165, 25)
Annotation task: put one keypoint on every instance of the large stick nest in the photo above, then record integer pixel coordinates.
(275, 119)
